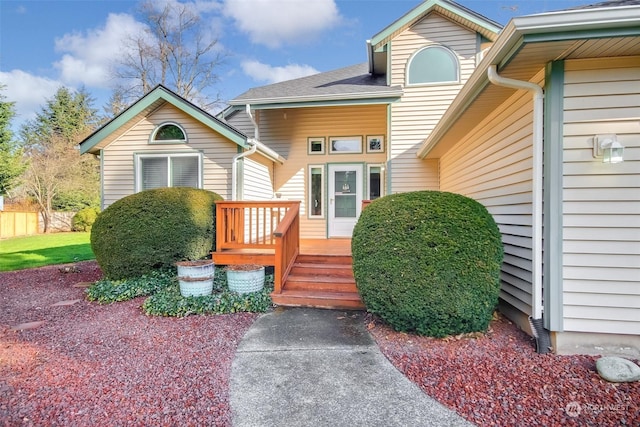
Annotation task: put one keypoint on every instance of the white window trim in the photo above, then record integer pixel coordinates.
(152, 138)
(310, 140)
(355, 139)
(444, 82)
(140, 156)
(382, 179)
(323, 189)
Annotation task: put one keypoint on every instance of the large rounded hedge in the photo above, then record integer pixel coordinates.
(154, 229)
(428, 262)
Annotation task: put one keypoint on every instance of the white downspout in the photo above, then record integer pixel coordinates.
(234, 167)
(538, 118)
(234, 161)
(256, 132)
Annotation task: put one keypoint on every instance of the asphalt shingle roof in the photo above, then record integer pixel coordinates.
(348, 82)
(612, 3)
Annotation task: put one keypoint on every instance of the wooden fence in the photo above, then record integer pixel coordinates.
(14, 224)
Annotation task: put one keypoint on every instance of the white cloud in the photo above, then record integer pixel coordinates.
(29, 92)
(267, 73)
(89, 56)
(277, 22)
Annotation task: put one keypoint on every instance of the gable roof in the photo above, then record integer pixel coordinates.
(454, 12)
(353, 83)
(524, 48)
(150, 102)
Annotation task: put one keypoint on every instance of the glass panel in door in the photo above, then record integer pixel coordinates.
(345, 198)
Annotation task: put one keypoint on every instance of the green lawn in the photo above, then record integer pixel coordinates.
(44, 249)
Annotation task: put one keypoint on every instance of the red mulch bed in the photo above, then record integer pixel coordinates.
(497, 379)
(108, 365)
(105, 365)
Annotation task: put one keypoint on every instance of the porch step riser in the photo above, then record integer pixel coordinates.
(328, 270)
(306, 285)
(329, 300)
(325, 259)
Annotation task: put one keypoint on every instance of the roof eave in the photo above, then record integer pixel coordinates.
(518, 32)
(89, 144)
(491, 28)
(392, 93)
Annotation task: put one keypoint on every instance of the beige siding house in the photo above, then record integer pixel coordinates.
(518, 118)
(162, 140)
(570, 221)
(351, 134)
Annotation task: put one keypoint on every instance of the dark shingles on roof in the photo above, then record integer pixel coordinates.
(612, 3)
(353, 80)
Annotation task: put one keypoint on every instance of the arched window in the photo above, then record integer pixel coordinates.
(169, 132)
(433, 64)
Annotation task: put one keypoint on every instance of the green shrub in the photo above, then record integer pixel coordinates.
(84, 219)
(428, 262)
(106, 291)
(153, 229)
(165, 299)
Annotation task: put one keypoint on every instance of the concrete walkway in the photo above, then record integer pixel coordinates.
(310, 367)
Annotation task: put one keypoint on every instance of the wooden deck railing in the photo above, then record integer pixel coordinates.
(248, 225)
(287, 236)
(265, 225)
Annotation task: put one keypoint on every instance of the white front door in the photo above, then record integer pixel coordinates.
(345, 198)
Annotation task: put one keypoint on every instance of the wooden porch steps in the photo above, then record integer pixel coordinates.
(322, 281)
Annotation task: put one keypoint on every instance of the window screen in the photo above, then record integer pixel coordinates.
(169, 171)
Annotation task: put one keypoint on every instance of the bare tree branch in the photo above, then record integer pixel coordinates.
(174, 52)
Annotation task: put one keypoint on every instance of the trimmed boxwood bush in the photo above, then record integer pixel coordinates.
(84, 219)
(428, 262)
(153, 229)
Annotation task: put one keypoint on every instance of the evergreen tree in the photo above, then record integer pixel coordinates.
(58, 177)
(12, 163)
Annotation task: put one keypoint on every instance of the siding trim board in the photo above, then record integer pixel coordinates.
(552, 190)
(601, 33)
(150, 103)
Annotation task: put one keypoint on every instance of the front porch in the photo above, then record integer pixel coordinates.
(307, 272)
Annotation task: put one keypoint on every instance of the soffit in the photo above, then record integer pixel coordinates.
(529, 60)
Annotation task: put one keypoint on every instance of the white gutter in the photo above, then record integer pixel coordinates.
(326, 97)
(269, 153)
(538, 121)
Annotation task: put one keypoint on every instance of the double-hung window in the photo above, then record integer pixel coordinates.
(168, 170)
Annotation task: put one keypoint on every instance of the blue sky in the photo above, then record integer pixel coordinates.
(46, 44)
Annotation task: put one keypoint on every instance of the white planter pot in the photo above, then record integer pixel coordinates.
(196, 269)
(195, 287)
(245, 281)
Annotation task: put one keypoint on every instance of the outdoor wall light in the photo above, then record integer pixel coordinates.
(608, 148)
